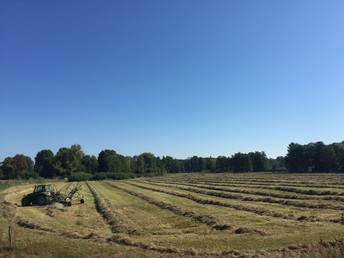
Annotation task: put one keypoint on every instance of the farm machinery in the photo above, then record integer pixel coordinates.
(46, 193)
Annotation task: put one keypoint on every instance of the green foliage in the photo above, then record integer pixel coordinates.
(315, 157)
(68, 160)
(44, 164)
(241, 162)
(18, 167)
(277, 165)
(79, 176)
(110, 161)
(111, 175)
(147, 165)
(312, 157)
(89, 164)
(259, 161)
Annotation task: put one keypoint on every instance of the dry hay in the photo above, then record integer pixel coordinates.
(33, 225)
(113, 218)
(54, 209)
(205, 219)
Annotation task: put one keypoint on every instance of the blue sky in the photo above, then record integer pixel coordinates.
(177, 78)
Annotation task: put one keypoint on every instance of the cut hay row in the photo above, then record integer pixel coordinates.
(282, 201)
(104, 208)
(201, 218)
(259, 211)
(309, 196)
(25, 223)
(236, 230)
(161, 249)
(193, 188)
(242, 191)
(113, 218)
(258, 183)
(29, 224)
(305, 194)
(322, 248)
(251, 183)
(318, 181)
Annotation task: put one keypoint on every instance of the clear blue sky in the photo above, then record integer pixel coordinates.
(178, 78)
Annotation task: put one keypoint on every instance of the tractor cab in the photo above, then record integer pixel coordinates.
(44, 189)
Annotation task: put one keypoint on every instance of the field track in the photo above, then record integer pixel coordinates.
(206, 215)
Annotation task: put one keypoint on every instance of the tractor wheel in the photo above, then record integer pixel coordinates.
(42, 200)
(25, 201)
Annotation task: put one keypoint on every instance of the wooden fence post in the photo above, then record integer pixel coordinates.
(10, 237)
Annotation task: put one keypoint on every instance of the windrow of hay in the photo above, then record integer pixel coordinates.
(236, 230)
(259, 211)
(149, 246)
(25, 223)
(113, 218)
(307, 192)
(248, 182)
(105, 210)
(177, 251)
(7, 210)
(233, 196)
(195, 188)
(29, 224)
(204, 219)
(330, 248)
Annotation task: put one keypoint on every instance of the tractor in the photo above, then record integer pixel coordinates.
(46, 194)
(41, 195)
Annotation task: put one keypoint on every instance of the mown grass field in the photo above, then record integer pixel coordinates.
(200, 214)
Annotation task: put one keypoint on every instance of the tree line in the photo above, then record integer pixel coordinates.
(315, 157)
(74, 164)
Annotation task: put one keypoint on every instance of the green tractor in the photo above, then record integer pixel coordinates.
(41, 195)
(46, 194)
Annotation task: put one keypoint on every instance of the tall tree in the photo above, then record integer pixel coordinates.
(241, 162)
(68, 160)
(18, 167)
(259, 161)
(223, 164)
(147, 165)
(210, 164)
(296, 159)
(44, 164)
(339, 152)
(89, 164)
(109, 161)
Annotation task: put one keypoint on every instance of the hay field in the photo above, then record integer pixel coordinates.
(199, 214)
